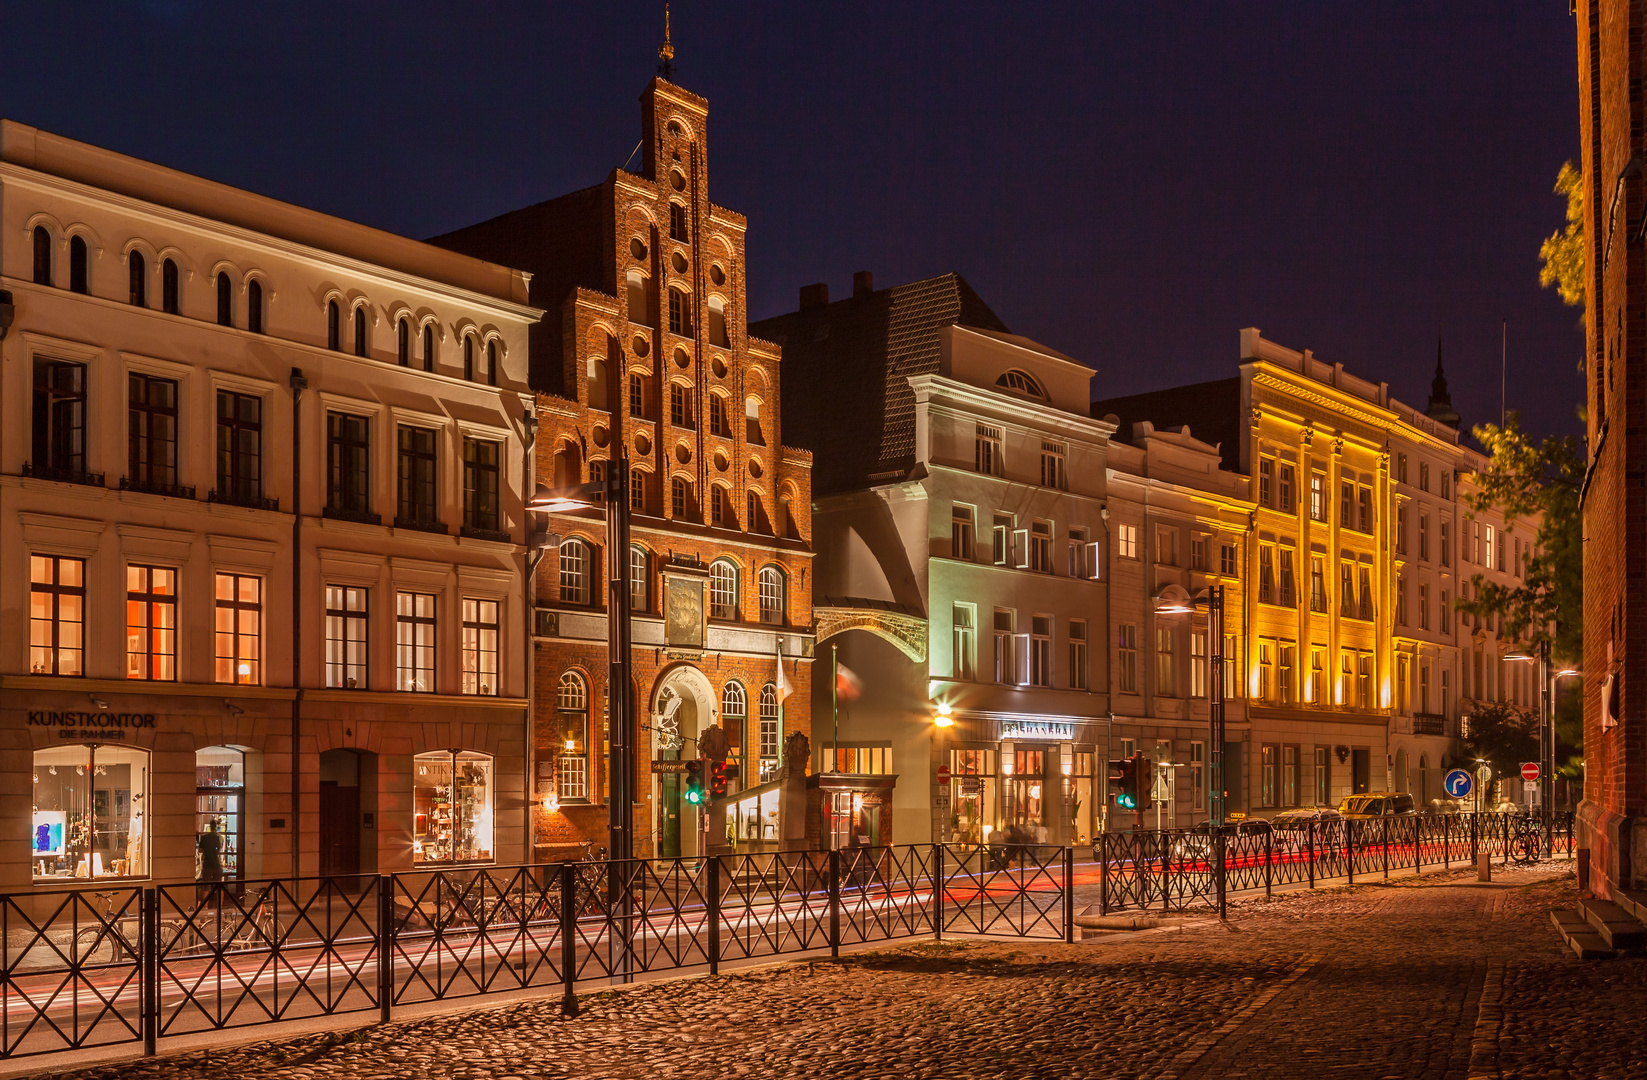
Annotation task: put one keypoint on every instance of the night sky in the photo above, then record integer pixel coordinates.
(1128, 183)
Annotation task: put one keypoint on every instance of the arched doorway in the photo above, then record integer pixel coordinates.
(682, 705)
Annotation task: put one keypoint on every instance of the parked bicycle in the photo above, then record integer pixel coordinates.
(1525, 842)
(118, 937)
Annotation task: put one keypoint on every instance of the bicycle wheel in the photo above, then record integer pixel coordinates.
(93, 945)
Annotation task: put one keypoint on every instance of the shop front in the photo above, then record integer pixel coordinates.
(1033, 780)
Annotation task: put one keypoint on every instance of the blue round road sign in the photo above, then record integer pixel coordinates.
(1458, 783)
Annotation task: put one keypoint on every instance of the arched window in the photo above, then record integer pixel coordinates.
(723, 589)
(360, 330)
(756, 522)
(403, 342)
(138, 270)
(254, 306)
(680, 498)
(491, 363)
(637, 490)
(639, 310)
(468, 357)
(1021, 382)
(42, 256)
(717, 322)
(225, 300)
(429, 347)
(640, 580)
(752, 421)
(774, 601)
(735, 719)
(680, 312)
(168, 287)
(333, 341)
(572, 738)
(771, 732)
(575, 568)
(637, 396)
(597, 383)
(77, 264)
(720, 507)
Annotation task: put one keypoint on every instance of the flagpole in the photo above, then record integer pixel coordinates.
(835, 704)
(781, 694)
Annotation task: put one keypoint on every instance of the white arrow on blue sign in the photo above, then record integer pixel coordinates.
(1458, 784)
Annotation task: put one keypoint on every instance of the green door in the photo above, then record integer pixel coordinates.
(669, 804)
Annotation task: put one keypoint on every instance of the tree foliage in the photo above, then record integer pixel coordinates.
(1535, 482)
(1503, 736)
(1562, 253)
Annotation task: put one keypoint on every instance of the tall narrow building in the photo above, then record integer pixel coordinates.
(644, 348)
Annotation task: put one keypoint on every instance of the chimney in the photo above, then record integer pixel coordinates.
(863, 283)
(815, 295)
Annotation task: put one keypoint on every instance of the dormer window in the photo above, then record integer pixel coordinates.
(1021, 382)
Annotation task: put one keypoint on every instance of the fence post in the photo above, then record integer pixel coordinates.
(1312, 854)
(1069, 895)
(1269, 853)
(1103, 873)
(834, 903)
(1447, 843)
(938, 891)
(1386, 822)
(714, 914)
(1221, 868)
(568, 937)
(150, 973)
(1349, 847)
(1475, 852)
(385, 946)
(1166, 871)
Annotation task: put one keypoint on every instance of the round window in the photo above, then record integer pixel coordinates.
(717, 275)
(678, 261)
(641, 345)
(677, 179)
(599, 435)
(755, 467)
(637, 248)
(643, 445)
(682, 357)
(720, 460)
(683, 454)
(718, 366)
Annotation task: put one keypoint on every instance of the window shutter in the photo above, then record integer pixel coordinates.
(999, 536)
(1021, 660)
(1020, 549)
(1093, 567)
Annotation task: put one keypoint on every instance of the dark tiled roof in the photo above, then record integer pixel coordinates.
(846, 369)
(1211, 409)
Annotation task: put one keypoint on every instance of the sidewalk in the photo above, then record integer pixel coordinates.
(1432, 976)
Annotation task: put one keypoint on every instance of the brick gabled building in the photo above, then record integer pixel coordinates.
(645, 347)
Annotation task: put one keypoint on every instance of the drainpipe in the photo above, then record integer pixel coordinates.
(529, 440)
(298, 384)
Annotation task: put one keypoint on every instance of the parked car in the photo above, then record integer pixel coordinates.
(1376, 804)
(1196, 841)
(1292, 828)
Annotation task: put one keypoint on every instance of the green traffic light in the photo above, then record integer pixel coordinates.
(1126, 802)
(694, 796)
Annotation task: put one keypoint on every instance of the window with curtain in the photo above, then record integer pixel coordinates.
(239, 629)
(346, 652)
(57, 615)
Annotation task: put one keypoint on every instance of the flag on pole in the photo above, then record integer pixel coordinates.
(785, 687)
(848, 687)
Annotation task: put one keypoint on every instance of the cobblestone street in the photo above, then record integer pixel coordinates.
(1432, 977)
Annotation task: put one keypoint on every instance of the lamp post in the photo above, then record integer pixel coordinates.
(1546, 731)
(620, 761)
(1213, 597)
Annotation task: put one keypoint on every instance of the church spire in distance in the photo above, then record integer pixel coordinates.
(1441, 402)
(666, 51)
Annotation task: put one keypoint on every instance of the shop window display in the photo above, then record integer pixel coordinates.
(220, 813)
(452, 807)
(89, 813)
(972, 777)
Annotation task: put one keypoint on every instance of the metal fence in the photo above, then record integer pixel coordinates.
(127, 965)
(1182, 869)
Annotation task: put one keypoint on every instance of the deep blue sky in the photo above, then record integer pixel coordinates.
(1129, 183)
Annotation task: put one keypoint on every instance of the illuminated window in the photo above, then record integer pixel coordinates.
(239, 629)
(57, 607)
(572, 744)
(480, 646)
(723, 590)
(415, 642)
(151, 622)
(451, 807)
(346, 651)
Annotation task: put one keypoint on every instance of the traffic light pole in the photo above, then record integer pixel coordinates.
(1215, 706)
(1546, 746)
(620, 761)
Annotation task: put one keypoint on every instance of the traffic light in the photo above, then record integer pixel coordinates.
(693, 789)
(1143, 782)
(720, 772)
(1120, 781)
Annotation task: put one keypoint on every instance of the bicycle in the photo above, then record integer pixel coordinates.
(1525, 842)
(114, 939)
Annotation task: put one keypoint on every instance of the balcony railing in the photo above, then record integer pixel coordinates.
(1429, 724)
(421, 525)
(236, 498)
(497, 535)
(66, 476)
(363, 517)
(176, 491)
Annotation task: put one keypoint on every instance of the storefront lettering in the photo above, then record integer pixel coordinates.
(1037, 729)
(106, 724)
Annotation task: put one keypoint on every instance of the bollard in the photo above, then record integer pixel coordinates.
(385, 947)
(1069, 895)
(1103, 873)
(1269, 857)
(714, 914)
(834, 904)
(938, 892)
(1312, 854)
(1484, 866)
(568, 938)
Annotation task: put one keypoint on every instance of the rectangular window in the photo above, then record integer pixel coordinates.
(1232, 669)
(415, 642)
(1346, 590)
(151, 433)
(1226, 560)
(960, 532)
(59, 420)
(987, 450)
(1077, 654)
(717, 416)
(1318, 496)
(416, 477)
(1323, 778)
(1423, 606)
(637, 401)
(1401, 530)
(1268, 758)
(1166, 547)
(480, 646)
(677, 223)
(348, 464)
(1003, 647)
(1318, 584)
(1366, 611)
(1445, 614)
(637, 493)
(1284, 488)
(1346, 505)
(1346, 677)
(238, 631)
(57, 615)
(1317, 690)
(1040, 546)
(1423, 687)
(1040, 651)
(1446, 689)
(680, 405)
(239, 447)
(1424, 537)
(1402, 699)
(1077, 550)
(1364, 682)
(1364, 505)
(1488, 550)
(964, 620)
(452, 807)
(1199, 663)
(1266, 574)
(677, 313)
(480, 485)
(1126, 541)
(1500, 563)
(1284, 673)
(1266, 481)
(1266, 670)
(1052, 466)
(1446, 548)
(1198, 553)
(1128, 644)
(1166, 674)
(1289, 597)
(346, 637)
(1289, 776)
(151, 623)
(1401, 601)
(1198, 773)
(1001, 539)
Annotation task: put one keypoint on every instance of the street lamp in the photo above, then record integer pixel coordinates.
(1213, 597)
(1546, 730)
(612, 489)
(945, 717)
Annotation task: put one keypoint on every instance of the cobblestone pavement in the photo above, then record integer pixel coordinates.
(1424, 977)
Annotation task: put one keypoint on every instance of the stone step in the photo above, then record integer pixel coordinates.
(1614, 924)
(1633, 902)
(1580, 937)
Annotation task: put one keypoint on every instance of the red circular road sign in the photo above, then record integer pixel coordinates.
(943, 774)
(1529, 771)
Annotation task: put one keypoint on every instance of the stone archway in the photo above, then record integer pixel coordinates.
(682, 704)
